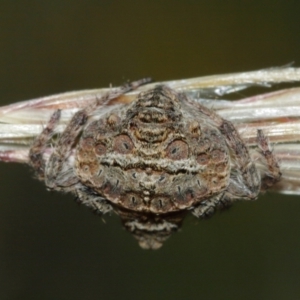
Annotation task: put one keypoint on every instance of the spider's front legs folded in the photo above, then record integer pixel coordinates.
(245, 182)
(58, 171)
(36, 153)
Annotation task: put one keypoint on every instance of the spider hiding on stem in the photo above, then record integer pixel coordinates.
(151, 161)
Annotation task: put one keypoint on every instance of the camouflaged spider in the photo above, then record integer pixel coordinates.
(151, 161)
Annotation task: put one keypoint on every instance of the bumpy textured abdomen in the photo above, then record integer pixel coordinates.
(157, 156)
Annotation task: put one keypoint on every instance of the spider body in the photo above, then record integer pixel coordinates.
(155, 155)
(150, 161)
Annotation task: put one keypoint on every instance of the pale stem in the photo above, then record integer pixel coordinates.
(276, 113)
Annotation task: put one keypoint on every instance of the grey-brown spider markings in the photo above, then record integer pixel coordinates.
(151, 161)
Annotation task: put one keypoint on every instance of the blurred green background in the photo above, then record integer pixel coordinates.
(51, 248)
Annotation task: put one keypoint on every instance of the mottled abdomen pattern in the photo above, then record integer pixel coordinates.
(157, 155)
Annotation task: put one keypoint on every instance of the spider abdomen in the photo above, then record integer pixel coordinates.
(158, 156)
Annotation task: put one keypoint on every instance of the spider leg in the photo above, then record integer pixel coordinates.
(246, 182)
(205, 209)
(89, 198)
(38, 147)
(59, 169)
(273, 175)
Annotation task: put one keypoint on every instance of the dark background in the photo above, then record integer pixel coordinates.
(51, 248)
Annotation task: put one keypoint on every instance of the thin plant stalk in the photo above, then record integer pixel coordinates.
(277, 113)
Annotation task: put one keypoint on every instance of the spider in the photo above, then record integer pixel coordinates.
(151, 161)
